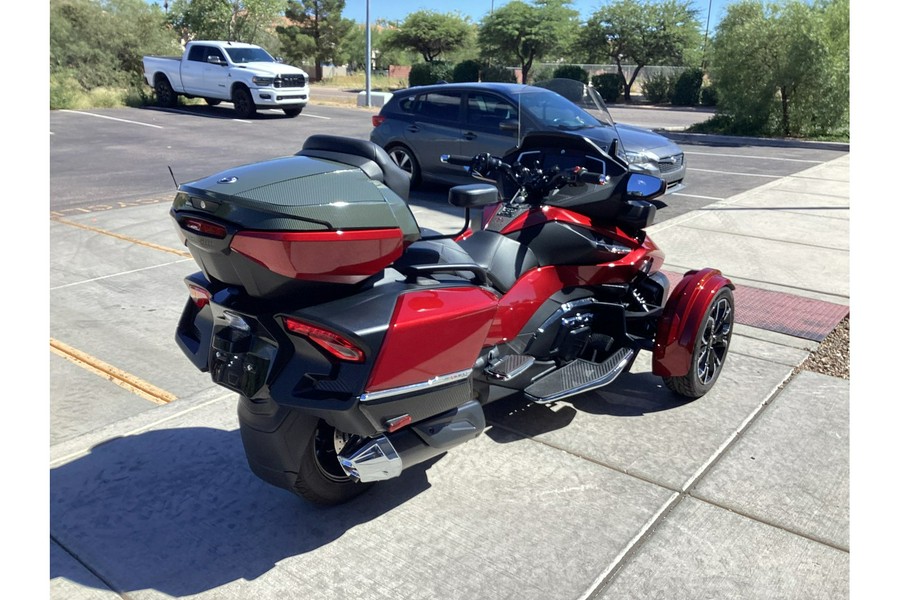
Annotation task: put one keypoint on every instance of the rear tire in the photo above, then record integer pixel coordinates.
(710, 348)
(320, 477)
(404, 158)
(243, 103)
(165, 95)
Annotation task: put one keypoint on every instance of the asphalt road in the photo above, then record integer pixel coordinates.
(105, 159)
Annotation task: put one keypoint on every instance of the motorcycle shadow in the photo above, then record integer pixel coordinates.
(179, 511)
(631, 395)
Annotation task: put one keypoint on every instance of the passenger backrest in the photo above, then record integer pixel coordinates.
(331, 146)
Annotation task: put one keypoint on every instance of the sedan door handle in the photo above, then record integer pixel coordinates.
(469, 136)
(413, 129)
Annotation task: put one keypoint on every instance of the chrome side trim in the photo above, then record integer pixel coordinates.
(416, 387)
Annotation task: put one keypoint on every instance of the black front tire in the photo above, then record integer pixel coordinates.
(320, 477)
(243, 103)
(293, 111)
(212, 101)
(710, 348)
(165, 95)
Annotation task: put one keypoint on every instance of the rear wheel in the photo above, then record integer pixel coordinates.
(320, 478)
(293, 111)
(165, 95)
(710, 348)
(406, 160)
(243, 103)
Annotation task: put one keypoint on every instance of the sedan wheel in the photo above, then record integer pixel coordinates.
(406, 160)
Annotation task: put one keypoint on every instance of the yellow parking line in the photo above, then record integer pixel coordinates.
(126, 238)
(121, 378)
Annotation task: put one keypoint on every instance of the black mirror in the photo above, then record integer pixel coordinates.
(644, 186)
(473, 195)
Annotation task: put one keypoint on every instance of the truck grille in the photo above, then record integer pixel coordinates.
(667, 164)
(286, 81)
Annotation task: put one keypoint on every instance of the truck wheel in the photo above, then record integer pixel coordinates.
(213, 101)
(243, 103)
(320, 477)
(165, 95)
(710, 348)
(293, 111)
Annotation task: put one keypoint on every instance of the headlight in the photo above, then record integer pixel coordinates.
(263, 81)
(642, 157)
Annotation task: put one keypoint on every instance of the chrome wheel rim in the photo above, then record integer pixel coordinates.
(714, 340)
(402, 159)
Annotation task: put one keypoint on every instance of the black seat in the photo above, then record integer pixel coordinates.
(333, 147)
(503, 259)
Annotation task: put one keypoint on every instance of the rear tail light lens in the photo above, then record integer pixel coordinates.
(203, 227)
(377, 120)
(333, 343)
(199, 295)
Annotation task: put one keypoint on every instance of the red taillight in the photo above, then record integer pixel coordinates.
(377, 120)
(204, 227)
(336, 345)
(200, 296)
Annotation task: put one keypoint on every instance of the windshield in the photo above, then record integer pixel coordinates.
(581, 95)
(552, 111)
(246, 55)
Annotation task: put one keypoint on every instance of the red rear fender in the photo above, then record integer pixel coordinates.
(682, 318)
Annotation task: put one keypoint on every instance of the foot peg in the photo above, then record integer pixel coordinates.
(577, 377)
(509, 367)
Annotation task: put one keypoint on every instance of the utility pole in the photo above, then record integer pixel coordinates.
(368, 58)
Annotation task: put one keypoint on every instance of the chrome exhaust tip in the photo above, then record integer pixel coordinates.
(375, 460)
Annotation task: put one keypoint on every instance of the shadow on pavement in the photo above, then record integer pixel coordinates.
(179, 511)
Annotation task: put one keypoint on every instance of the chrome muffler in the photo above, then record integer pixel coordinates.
(385, 457)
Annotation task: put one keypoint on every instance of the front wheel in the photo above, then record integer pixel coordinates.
(710, 348)
(320, 477)
(212, 101)
(293, 111)
(243, 103)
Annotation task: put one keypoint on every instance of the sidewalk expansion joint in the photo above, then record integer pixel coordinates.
(89, 569)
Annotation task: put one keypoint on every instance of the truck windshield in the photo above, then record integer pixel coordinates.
(246, 55)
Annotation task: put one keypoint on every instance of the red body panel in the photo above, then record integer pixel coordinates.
(433, 333)
(330, 256)
(681, 318)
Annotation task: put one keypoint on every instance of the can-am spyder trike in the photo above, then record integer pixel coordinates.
(361, 345)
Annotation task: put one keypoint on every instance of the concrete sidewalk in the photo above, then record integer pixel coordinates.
(622, 493)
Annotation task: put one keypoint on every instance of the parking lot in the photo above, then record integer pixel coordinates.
(136, 429)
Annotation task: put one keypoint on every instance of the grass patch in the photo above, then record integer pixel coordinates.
(357, 81)
(720, 124)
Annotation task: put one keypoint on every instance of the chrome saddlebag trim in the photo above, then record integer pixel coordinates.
(416, 387)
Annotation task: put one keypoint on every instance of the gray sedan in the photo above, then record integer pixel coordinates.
(419, 124)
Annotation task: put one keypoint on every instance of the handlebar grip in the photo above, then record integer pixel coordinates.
(456, 159)
(594, 178)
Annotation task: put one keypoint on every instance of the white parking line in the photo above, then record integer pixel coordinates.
(79, 112)
(733, 173)
(314, 116)
(799, 160)
(193, 114)
(695, 196)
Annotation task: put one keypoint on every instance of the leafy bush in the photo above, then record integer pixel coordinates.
(608, 85)
(709, 96)
(658, 88)
(542, 73)
(429, 73)
(571, 72)
(467, 70)
(498, 74)
(686, 91)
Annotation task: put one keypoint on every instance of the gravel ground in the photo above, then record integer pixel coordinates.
(832, 357)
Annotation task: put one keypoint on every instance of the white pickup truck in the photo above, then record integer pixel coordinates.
(243, 74)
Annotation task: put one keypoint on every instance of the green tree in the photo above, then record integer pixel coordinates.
(640, 33)
(523, 33)
(430, 34)
(101, 43)
(316, 31)
(782, 68)
(230, 20)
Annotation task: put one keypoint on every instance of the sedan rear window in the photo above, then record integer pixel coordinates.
(440, 106)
